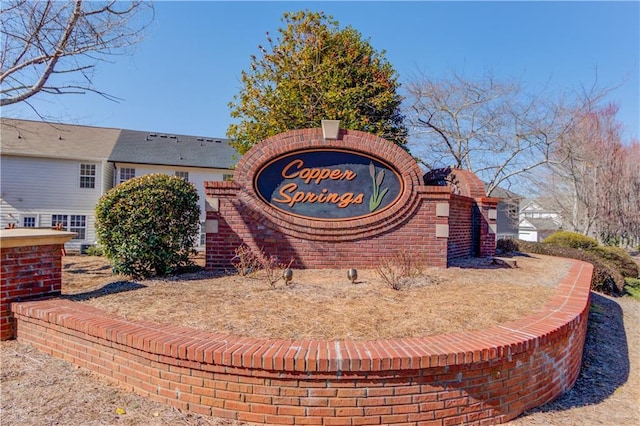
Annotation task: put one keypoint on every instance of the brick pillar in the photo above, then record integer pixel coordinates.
(31, 268)
(222, 241)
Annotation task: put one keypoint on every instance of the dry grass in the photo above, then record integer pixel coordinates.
(38, 389)
(323, 304)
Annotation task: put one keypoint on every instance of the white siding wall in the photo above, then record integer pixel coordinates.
(107, 176)
(536, 212)
(527, 232)
(9, 214)
(42, 187)
(528, 235)
(39, 183)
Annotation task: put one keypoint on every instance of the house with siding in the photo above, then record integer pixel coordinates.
(537, 221)
(55, 173)
(507, 212)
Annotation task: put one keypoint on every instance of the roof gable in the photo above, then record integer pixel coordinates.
(540, 224)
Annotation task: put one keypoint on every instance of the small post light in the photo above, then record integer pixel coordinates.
(287, 275)
(330, 129)
(352, 274)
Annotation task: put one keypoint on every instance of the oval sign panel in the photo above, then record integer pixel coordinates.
(328, 184)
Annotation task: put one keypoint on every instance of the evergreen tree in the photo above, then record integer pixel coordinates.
(316, 71)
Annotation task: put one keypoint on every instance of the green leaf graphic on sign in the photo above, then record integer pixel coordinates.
(377, 196)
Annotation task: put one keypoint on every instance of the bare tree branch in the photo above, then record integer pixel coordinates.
(495, 129)
(46, 39)
(595, 180)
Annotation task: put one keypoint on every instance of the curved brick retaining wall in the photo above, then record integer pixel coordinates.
(482, 377)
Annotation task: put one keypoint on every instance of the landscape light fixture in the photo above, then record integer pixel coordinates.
(352, 274)
(287, 275)
(330, 129)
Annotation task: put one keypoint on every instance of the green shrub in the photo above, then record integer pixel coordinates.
(605, 279)
(571, 239)
(147, 225)
(620, 259)
(506, 245)
(95, 250)
(632, 287)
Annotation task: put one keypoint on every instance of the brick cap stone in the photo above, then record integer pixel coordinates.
(20, 237)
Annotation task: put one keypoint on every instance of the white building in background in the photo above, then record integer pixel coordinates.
(507, 213)
(55, 173)
(536, 221)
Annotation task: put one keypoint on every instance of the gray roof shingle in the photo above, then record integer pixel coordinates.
(53, 140)
(140, 147)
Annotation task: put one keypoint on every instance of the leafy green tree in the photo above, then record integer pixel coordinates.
(147, 225)
(315, 71)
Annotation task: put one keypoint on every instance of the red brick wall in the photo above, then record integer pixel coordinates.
(416, 234)
(487, 235)
(476, 377)
(27, 272)
(460, 242)
(410, 224)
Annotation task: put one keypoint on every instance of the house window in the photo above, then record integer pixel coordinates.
(87, 175)
(73, 223)
(59, 220)
(203, 234)
(78, 224)
(126, 174)
(29, 221)
(183, 175)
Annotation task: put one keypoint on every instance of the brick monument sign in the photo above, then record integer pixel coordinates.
(345, 203)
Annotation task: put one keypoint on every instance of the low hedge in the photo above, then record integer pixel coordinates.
(633, 287)
(606, 278)
(620, 259)
(571, 239)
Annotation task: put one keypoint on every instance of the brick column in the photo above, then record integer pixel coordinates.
(31, 268)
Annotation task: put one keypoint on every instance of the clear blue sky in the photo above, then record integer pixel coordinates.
(186, 71)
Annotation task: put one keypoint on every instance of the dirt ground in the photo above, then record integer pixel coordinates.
(37, 389)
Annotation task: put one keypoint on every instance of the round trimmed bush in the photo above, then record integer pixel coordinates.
(571, 239)
(148, 225)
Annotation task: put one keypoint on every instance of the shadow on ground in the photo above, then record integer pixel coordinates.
(111, 288)
(496, 262)
(605, 360)
(93, 269)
